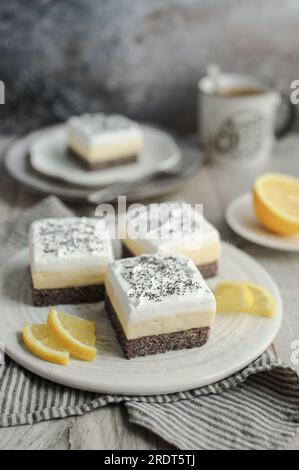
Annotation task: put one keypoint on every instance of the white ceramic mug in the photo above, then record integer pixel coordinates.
(237, 118)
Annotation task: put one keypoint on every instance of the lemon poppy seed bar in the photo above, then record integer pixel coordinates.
(68, 260)
(175, 228)
(158, 303)
(98, 141)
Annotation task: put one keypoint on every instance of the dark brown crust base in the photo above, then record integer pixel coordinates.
(68, 295)
(156, 344)
(100, 165)
(206, 270)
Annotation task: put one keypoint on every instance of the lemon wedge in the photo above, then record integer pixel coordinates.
(276, 202)
(76, 334)
(233, 296)
(246, 297)
(263, 302)
(42, 343)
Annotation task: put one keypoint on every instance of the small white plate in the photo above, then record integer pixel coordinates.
(235, 340)
(241, 218)
(48, 156)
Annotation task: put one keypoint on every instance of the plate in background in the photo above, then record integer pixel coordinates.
(48, 155)
(241, 218)
(17, 165)
(235, 340)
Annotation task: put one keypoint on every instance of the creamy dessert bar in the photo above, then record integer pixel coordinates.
(100, 141)
(173, 227)
(158, 303)
(68, 260)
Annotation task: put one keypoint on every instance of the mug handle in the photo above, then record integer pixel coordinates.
(281, 130)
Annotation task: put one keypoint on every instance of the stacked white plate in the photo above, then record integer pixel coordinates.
(40, 162)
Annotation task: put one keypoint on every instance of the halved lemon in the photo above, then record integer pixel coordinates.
(76, 334)
(233, 296)
(276, 202)
(40, 340)
(263, 302)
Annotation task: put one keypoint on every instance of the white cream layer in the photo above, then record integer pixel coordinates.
(138, 312)
(97, 145)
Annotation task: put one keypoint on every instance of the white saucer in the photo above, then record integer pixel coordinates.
(235, 340)
(48, 156)
(241, 218)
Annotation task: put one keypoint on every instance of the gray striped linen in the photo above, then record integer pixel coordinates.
(256, 408)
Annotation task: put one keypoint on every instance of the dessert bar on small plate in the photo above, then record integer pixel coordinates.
(99, 141)
(158, 303)
(68, 260)
(173, 227)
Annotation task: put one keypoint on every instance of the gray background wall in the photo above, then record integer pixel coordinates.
(139, 57)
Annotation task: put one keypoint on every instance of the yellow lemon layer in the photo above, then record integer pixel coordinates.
(72, 278)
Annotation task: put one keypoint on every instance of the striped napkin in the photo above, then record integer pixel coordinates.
(256, 408)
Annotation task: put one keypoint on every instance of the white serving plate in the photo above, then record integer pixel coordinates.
(235, 340)
(241, 218)
(49, 157)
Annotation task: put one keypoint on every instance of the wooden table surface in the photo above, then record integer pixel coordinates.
(215, 187)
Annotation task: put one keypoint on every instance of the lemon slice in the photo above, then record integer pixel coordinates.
(276, 202)
(263, 302)
(76, 334)
(246, 297)
(42, 343)
(233, 296)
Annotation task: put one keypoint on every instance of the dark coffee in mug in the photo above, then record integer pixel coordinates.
(240, 91)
